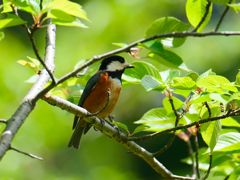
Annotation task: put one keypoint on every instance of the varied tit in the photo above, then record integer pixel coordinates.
(96, 95)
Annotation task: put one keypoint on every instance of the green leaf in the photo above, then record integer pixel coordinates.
(35, 61)
(76, 23)
(153, 45)
(35, 4)
(220, 97)
(228, 142)
(135, 75)
(230, 122)
(184, 83)
(140, 128)
(168, 25)
(210, 131)
(169, 59)
(237, 81)
(58, 93)
(205, 74)
(156, 127)
(151, 83)
(68, 7)
(121, 125)
(235, 175)
(196, 10)
(45, 3)
(222, 2)
(193, 75)
(32, 79)
(7, 6)
(120, 44)
(26, 64)
(204, 97)
(235, 7)
(168, 75)
(214, 82)
(1, 36)
(24, 6)
(157, 115)
(184, 93)
(176, 102)
(11, 20)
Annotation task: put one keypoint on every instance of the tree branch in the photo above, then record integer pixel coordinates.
(222, 16)
(204, 16)
(197, 155)
(3, 121)
(28, 102)
(27, 154)
(110, 131)
(209, 168)
(190, 152)
(149, 136)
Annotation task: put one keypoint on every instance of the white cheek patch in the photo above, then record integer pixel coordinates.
(116, 65)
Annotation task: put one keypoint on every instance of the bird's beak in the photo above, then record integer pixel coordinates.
(129, 66)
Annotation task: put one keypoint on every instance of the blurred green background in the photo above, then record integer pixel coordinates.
(47, 130)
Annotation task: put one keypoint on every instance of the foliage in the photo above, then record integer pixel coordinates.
(190, 97)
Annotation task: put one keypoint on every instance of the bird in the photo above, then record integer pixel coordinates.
(100, 94)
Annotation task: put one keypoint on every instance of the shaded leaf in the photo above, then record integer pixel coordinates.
(153, 45)
(1, 36)
(193, 75)
(121, 125)
(220, 97)
(169, 59)
(235, 175)
(168, 25)
(237, 81)
(140, 128)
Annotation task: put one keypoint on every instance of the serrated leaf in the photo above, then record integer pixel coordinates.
(168, 25)
(169, 59)
(120, 44)
(140, 128)
(135, 75)
(76, 23)
(11, 20)
(68, 7)
(121, 125)
(1, 36)
(184, 83)
(195, 12)
(230, 122)
(235, 175)
(210, 131)
(228, 142)
(205, 74)
(153, 45)
(151, 83)
(176, 102)
(168, 75)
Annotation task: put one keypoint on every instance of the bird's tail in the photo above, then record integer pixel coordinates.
(76, 136)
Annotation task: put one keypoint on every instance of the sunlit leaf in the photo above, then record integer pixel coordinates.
(135, 75)
(220, 97)
(193, 75)
(11, 20)
(35, 61)
(237, 81)
(230, 122)
(26, 64)
(210, 131)
(205, 74)
(195, 12)
(168, 75)
(168, 25)
(184, 93)
(58, 93)
(45, 3)
(169, 59)
(140, 128)
(151, 83)
(235, 175)
(228, 142)
(185, 83)
(176, 102)
(156, 127)
(120, 44)
(7, 6)
(76, 23)
(204, 97)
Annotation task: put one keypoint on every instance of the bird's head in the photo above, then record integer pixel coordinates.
(114, 63)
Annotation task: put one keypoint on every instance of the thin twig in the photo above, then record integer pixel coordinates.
(83, 73)
(222, 16)
(190, 152)
(96, 113)
(27, 154)
(209, 168)
(204, 16)
(3, 121)
(30, 35)
(183, 178)
(233, 113)
(209, 109)
(197, 154)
